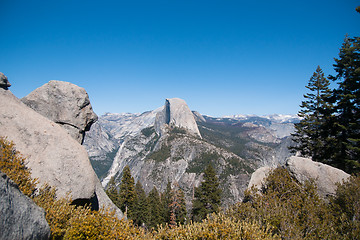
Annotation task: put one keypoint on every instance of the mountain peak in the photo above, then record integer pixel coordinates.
(176, 113)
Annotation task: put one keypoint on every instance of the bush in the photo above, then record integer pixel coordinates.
(13, 165)
(216, 226)
(345, 205)
(291, 209)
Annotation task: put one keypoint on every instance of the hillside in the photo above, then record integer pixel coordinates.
(159, 146)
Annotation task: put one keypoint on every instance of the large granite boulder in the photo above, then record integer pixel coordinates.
(304, 169)
(325, 176)
(176, 113)
(4, 83)
(64, 103)
(20, 217)
(53, 156)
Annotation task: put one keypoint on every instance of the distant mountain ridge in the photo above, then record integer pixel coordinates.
(278, 118)
(173, 143)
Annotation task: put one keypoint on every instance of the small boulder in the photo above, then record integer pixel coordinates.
(20, 217)
(4, 82)
(66, 104)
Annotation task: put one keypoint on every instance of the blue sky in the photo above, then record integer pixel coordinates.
(222, 57)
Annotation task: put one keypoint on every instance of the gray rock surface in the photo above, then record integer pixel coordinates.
(324, 175)
(176, 113)
(105, 202)
(20, 217)
(257, 178)
(64, 103)
(4, 82)
(198, 117)
(53, 156)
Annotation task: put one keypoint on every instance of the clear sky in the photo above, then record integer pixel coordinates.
(222, 57)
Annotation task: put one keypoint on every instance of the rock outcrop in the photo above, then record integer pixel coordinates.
(53, 156)
(257, 178)
(304, 169)
(4, 83)
(176, 113)
(65, 104)
(20, 217)
(324, 175)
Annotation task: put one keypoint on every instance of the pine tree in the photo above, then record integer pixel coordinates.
(155, 213)
(141, 211)
(166, 198)
(207, 197)
(127, 195)
(112, 192)
(346, 147)
(311, 134)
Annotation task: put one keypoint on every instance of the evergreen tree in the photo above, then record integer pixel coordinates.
(155, 213)
(207, 196)
(127, 195)
(112, 192)
(346, 147)
(166, 199)
(141, 211)
(311, 134)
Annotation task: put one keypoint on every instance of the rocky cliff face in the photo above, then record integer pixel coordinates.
(176, 113)
(20, 217)
(65, 104)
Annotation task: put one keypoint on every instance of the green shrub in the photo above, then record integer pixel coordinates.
(345, 205)
(292, 210)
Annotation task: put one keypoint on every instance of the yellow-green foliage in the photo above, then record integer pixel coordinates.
(70, 222)
(86, 224)
(216, 226)
(13, 165)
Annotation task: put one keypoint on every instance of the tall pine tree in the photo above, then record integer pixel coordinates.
(154, 205)
(141, 211)
(346, 147)
(207, 197)
(166, 198)
(311, 133)
(127, 195)
(112, 192)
